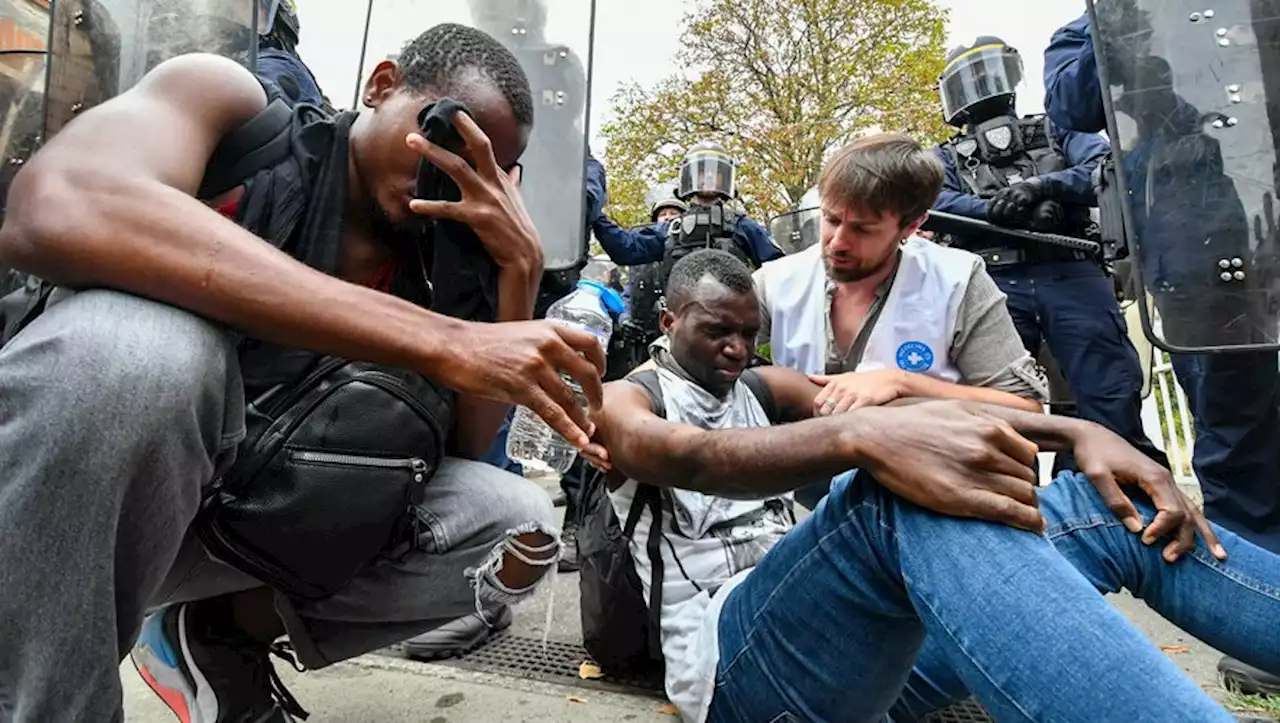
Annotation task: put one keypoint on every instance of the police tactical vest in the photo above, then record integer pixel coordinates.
(1004, 151)
(701, 227)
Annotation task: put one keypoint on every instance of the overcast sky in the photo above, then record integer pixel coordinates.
(635, 40)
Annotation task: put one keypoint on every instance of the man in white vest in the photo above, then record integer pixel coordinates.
(874, 313)
(763, 621)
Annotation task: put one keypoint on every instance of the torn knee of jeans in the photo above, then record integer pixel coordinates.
(516, 564)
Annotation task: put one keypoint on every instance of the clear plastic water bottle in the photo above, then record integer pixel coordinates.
(530, 441)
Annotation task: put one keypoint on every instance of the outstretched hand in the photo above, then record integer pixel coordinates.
(854, 390)
(521, 363)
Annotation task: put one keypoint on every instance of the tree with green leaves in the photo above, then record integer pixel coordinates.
(779, 83)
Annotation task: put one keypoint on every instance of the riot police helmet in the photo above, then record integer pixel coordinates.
(662, 197)
(979, 81)
(707, 169)
(278, 24)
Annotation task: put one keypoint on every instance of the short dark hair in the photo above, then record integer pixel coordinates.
(436, 59)
(721, 266)
(885, 172)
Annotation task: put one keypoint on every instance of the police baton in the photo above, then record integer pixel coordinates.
(940, 222)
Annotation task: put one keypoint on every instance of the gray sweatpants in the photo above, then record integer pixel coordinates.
(115, 412)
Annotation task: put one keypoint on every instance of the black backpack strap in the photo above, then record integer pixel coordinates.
(262, 142)
(763, 394)
(637, 508)
(654, 548)
(648, 381)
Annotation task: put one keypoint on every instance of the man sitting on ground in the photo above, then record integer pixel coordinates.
(750, 607)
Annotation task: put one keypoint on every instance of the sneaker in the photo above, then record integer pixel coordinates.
(457, 638)
(1241, 678)
(210, 677)
(570, 561)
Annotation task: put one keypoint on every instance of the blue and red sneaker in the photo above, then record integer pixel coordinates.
(210, 675)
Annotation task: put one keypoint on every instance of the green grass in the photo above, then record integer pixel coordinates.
(1259, 705)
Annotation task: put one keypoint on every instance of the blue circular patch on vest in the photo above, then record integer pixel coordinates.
(915, 356)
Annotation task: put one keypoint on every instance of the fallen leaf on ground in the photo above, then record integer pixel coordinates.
(589, 671)
(668, 709)
(1175, 649)
(577, 699)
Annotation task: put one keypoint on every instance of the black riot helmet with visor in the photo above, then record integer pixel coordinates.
(707, 169)
(278, 24)
(979, 81)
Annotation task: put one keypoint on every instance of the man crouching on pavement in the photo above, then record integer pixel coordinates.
(124, 401)
(760, 621)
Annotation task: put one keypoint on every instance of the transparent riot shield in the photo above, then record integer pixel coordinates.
(24, 64)
(796, 231)
(552, 40)
(100, 48)
(1192, 92)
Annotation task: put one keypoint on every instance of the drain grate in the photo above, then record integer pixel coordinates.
(523, 657)
(968, 711)
(557, 662)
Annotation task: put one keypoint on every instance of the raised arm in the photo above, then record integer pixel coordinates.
(627, 247)
(110, 202)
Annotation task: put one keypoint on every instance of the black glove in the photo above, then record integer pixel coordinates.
(1048, 216)
(1013, 205)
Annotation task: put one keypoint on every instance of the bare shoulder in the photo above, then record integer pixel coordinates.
(214, 89)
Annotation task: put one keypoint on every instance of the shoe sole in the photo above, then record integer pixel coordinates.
(456, 651)
(1246, 684)
(166, 671)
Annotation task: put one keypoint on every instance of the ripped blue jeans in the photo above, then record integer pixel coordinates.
(472, 515)
(116, 412)
(831, 622)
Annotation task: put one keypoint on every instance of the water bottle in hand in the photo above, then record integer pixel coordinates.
(530, 441)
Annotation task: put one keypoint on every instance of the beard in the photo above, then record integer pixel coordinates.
(857, 273)
(399, 237)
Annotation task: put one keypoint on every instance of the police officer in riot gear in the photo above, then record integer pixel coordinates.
(705, 183)
(1186, 223)
(686, 215)
(1027, 173)
(709, 188)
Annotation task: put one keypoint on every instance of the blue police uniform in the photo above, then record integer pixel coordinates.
(1234, 398)
(648, 244)
(1067, 300)
(291, 74)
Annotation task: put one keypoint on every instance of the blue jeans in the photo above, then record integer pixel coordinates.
(1190, 593)
(829, 625)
